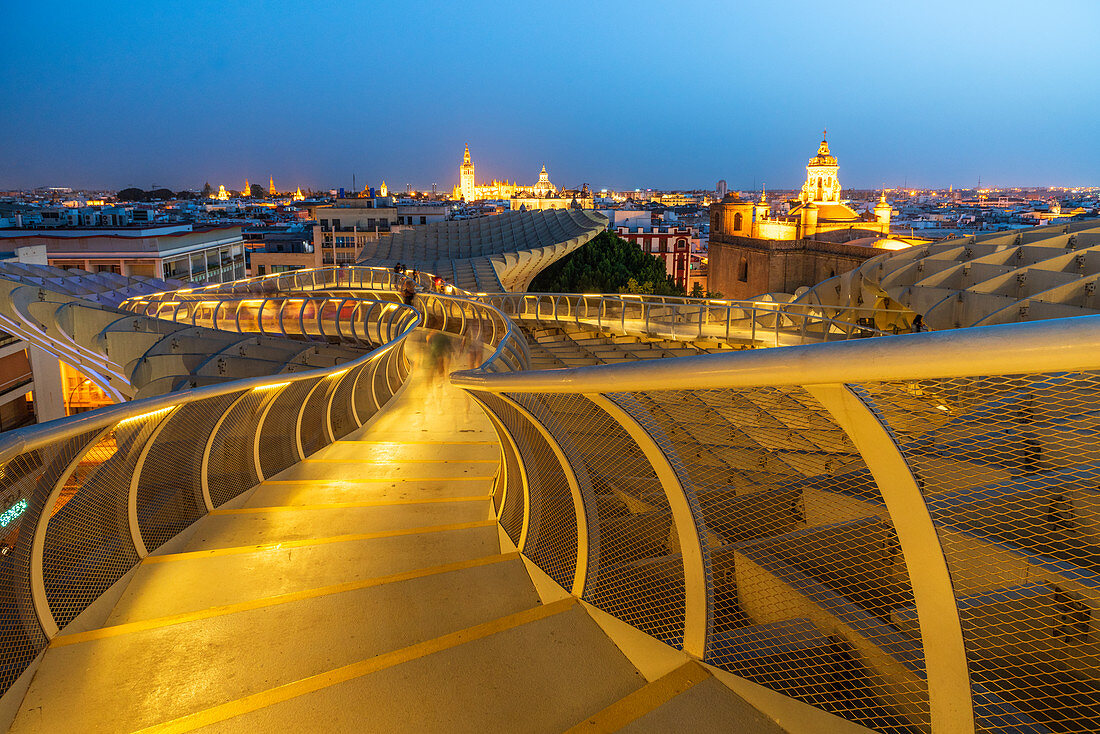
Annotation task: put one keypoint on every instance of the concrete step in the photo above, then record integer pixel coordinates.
(541, 675)
(249, 651)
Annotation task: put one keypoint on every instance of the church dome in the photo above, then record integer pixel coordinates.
(823, 157)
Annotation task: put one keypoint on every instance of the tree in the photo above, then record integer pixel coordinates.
(697, 291)
(256, 191)
(131, 194)
(607, 264)
(207, 189)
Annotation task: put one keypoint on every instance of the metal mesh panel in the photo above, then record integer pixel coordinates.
(1010, 470)
(343, 422)
(169, 494)
(314, 418)
(230, 469)
(805, 570)
(552, 527)
(382, 391)
(636, 570)
(365, 406)
(88, 544)
(278, 437)
(28, 480)
(511, 515)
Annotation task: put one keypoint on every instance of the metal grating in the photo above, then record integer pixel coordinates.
(636, 570)
(511, 514)
(340, 415)
(313, 430)
(230, 469)
(552, 525)
(29, 477)
(278, 436)
(365, 407)
(1010, 470)
(805, 573)
(88, 544)
(169, 492)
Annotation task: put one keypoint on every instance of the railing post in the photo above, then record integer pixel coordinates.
(135, 476)
(204, 478)
(580, 576)
(506, 436)
(697, 597)
(949, 692)
(38, 540)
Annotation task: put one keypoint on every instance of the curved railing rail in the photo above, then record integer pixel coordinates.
(88, 497)
(449, 313)
(905, 532)
(359, 321)
(761, 323)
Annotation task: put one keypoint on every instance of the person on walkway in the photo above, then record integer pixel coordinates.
(439, 356)
(408, 292)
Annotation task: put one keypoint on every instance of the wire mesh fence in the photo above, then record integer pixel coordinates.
(808, 588)
(1010, 470)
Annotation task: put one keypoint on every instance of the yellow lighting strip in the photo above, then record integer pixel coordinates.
(270, 387)
(347, 505)
(270, 601)
(143, 416)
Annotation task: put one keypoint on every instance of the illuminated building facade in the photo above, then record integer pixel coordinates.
(469, 190)
(754, 250)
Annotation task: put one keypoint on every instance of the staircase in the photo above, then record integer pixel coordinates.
(365, 588)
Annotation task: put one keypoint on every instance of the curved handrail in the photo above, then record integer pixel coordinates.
(446, 312)
(920, 506)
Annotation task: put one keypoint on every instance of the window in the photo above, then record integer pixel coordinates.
(743, 270)
(737, 218)
(423, 220)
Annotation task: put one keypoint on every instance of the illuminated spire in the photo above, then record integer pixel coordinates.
(247, 191)
(763, 193)
(271, 186)
(466, 155)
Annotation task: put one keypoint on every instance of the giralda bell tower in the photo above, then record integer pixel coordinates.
(466, 176)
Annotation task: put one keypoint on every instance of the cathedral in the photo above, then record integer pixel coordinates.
(817, 210)
(468, 190)
(754, 250)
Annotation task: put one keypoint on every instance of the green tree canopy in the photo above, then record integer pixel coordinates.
(607, 264)
(256, 191)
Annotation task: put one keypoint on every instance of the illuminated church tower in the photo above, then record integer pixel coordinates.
(271, 186)
(383, 190)
(822, 185)
(247, 189)
(466, 176)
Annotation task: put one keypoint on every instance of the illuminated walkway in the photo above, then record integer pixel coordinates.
(362, 589)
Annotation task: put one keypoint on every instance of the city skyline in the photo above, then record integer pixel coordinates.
(105, 101)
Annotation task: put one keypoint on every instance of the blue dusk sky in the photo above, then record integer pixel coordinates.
(613, 94)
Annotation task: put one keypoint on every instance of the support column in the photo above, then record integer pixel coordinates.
(49, 397)
(949, 692)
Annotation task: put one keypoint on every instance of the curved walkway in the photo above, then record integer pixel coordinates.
(364, 589)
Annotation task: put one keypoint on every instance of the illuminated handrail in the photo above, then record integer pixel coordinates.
(445, 312)
(156, 465)
(905, 517)
(758, 322)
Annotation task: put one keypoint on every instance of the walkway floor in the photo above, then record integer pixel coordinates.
(364, 589)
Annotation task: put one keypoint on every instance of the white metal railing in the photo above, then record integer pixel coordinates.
(905, 531)
(89, 496)
(760, 323)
